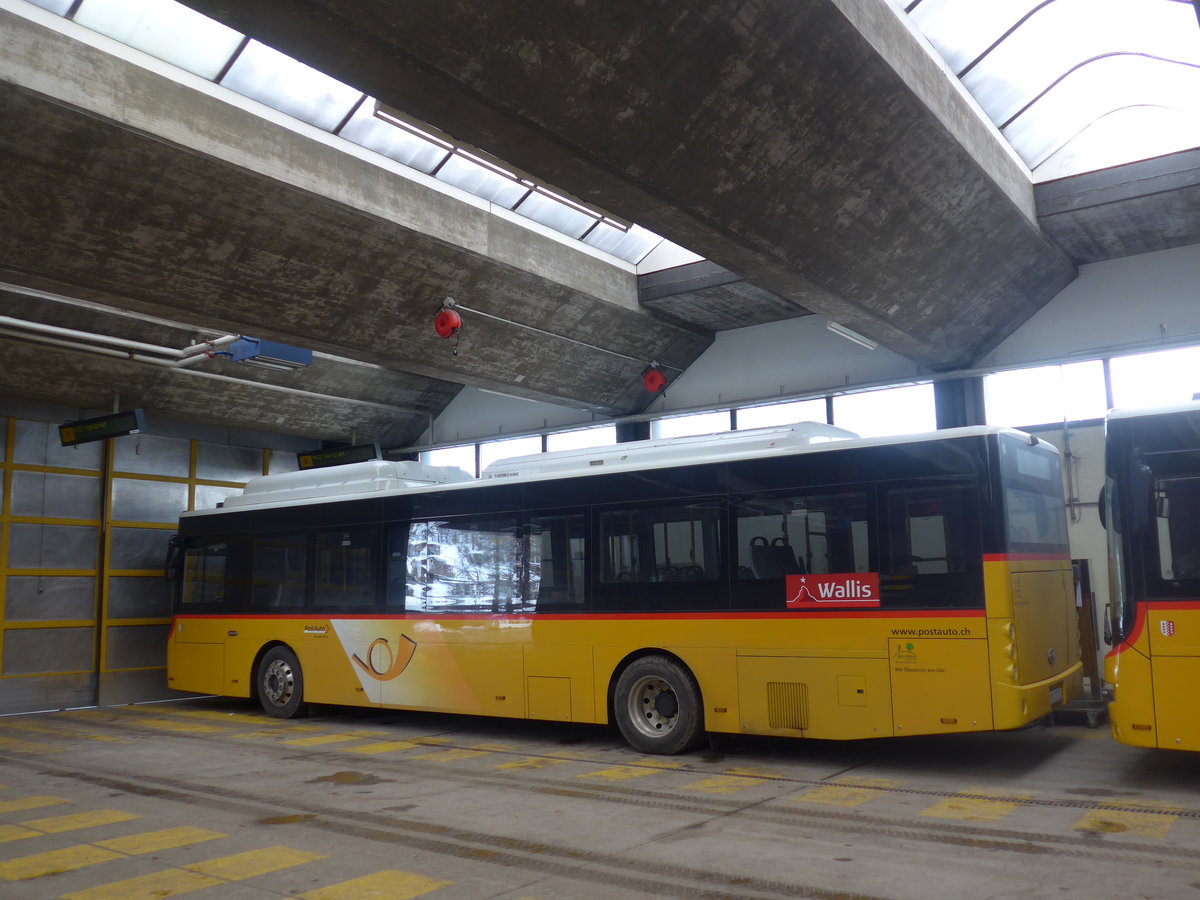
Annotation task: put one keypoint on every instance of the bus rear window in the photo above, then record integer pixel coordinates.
(1034, 509)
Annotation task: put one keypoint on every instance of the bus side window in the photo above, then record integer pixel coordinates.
(676, 542)
(204, 575)
(1177, 509)
(278, 571)
(345, 568)
(932, 530)
(555, 563)
(468, 565)
(816, 533)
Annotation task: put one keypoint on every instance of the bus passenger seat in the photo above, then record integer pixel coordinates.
(774, 559)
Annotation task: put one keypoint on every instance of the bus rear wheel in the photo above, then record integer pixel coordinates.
(657, 706)
(280, 683)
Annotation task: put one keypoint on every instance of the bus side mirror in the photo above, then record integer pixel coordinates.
(1108, 631)
(173, 565)
(1100, 507)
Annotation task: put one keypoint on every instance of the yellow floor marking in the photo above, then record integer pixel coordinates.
(66, 860)
(849, 791)
(368, 732)
(640, 769)
(723, 784)
(449, 755)
(977, 805)
(153, 841)
(430, 741)
(59, 731)
(254, 862)
(16, 833)
(185, 727)
(17, 746)
(755, 772)
(1106, 820)
(388, 885)
(383, 747)
(75, 821)
(532, 762)
(148, 887)
(320, 739)
(23, 803)
(213, 715)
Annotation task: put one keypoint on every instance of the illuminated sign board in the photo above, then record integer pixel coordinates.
(101, 427)
(338, 456)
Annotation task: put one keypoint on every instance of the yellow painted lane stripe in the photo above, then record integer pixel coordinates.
(23, 803)
(157, 886)
(388, 885)
(254, 862)
(381, 747)
(75, 821)
(1104, 820)
(849, 791)
(54, 861)
(723, 784)
(984, 805)
(320, 739)
(532, 762)
(161, 724)
(153, 841)
(16, 833)
(639, 769)
(441, 756)
(17, 746)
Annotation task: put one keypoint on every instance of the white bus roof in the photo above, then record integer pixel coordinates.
(1192, 406)
(375, 478)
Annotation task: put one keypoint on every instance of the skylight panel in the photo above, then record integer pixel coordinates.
(557, 214)
(165, 29)
(629, 245)
(271, 77)
(422, 152)
(1069, 33)
(482, 179)
(58, 7)
(1094, 91)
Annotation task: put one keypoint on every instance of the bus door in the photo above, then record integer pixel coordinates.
(1172, 569)
(932, 576)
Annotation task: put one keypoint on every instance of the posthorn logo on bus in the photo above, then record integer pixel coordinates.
(836, 589)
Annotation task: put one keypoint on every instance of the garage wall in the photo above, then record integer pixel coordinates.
(84, 609)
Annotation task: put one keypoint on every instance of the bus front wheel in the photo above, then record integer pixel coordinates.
(657, 706)
(280, 683)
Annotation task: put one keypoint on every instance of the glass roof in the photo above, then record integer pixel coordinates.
(1075, 85)
(180, 36)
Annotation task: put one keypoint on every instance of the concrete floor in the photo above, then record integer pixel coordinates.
(211, 798)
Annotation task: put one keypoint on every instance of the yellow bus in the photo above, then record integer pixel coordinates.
(1152, 513)
(795, 581)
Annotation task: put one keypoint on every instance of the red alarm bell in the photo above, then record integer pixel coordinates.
(653, 380)
(447, 322)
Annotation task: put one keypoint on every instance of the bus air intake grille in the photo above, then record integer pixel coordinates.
(787, 705)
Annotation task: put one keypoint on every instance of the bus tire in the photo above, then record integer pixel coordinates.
(280, 683)
(656, 702)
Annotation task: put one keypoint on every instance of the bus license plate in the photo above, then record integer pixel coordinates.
(1056, 695)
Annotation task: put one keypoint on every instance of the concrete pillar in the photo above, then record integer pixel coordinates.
(632, 431)
(959, 402)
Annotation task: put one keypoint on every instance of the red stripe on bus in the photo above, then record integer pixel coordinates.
(1026, 557)
(592, 617)
(1140, 616)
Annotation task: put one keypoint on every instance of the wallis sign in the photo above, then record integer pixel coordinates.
(840, 589)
